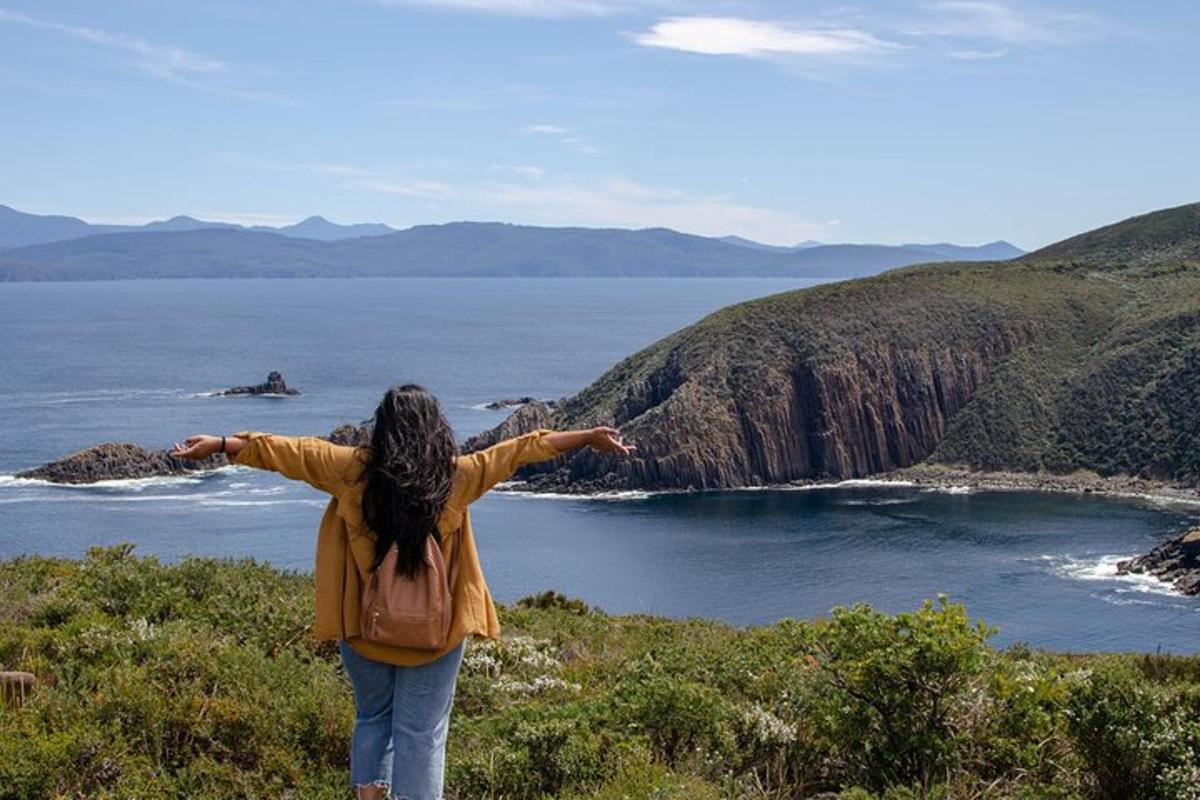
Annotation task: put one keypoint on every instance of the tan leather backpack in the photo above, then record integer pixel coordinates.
(410, 612)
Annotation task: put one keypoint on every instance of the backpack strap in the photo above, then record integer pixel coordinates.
(458, 540)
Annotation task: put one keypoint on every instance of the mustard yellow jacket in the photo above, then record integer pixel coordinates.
(346, 547)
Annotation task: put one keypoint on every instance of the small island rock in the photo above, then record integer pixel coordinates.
(513, 402)
(118, 461)
(274, 385)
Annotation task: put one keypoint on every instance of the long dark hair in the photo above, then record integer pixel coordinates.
(407, 473)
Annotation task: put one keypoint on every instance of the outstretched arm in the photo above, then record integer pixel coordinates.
(315, 461)
(482, 470)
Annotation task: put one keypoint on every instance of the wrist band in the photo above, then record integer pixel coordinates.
(222, 444)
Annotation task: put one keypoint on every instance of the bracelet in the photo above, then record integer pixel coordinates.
(222, 444)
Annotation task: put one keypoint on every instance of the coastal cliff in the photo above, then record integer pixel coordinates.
(1080, 356)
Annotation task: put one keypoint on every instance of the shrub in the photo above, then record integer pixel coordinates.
(685, 722)
(894, 688)
(552, 599)
(1138, 740)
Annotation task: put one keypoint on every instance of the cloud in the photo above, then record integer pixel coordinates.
(540, 198)
(535, 8)
(166, 57)
(524, 170)
(979, 55)
(575, 142)
(617, 202)
(344, 170)
(755, 39)
(552, 129)
(997, 21)
(168, 62)
(413, 187)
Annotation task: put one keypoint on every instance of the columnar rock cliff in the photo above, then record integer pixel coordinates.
(1067, 359)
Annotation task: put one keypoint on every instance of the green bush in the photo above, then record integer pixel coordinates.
(894, 690)
(1137, 740)
(686, 722)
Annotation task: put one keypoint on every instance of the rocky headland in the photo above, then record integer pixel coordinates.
(1176, 562)
(119, 461)
(275, 385)
(1080, 359)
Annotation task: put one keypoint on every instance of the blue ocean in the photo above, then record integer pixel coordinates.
(136, 361)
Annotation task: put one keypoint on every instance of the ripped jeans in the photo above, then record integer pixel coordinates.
(401, 721)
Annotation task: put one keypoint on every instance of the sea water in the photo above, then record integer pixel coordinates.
(137, 361)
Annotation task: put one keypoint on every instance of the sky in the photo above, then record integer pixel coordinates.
(880, 121)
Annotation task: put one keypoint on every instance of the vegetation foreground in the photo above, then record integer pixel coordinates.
(201, 680)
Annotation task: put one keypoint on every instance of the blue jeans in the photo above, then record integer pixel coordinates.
(401, 721)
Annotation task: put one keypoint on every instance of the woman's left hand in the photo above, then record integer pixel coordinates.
(608, 440)
(197, 448)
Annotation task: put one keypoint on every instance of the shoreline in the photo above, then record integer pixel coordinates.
(947, 479)
(1123, 486)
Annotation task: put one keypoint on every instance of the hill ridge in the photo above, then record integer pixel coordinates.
(1030, 368)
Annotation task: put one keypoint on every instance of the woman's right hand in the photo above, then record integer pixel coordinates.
(197, 448)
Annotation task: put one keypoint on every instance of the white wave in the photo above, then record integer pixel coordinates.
(1104, 568)
(850, 483)
(199, 498)
(601, 496)
(224, 393)
(126, 484)
(89, 396)
(512, 488)
(962, 489)
(888, 501)
(1158, 499)
(230, 503)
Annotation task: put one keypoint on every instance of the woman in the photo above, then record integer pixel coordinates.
(409, 484)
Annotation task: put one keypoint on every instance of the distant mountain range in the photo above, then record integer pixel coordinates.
(19, 229)
(36, 247)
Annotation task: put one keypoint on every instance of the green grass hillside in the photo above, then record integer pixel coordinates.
(201, 680)
(1081, 356)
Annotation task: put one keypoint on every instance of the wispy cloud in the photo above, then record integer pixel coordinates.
(997, 21)
(564, 135)
(619, 202)
(968, 30)
(356, 178)
(168, 62)
(536, 196)
(524, 170)
(979, 55)
(733, 36)
(414, 187)
(537, 8)
(550, 129)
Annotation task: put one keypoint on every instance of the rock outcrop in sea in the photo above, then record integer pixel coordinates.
(274, 385)
(119, 461)
(1176, 562)
(515, 402)
(1084, 356)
